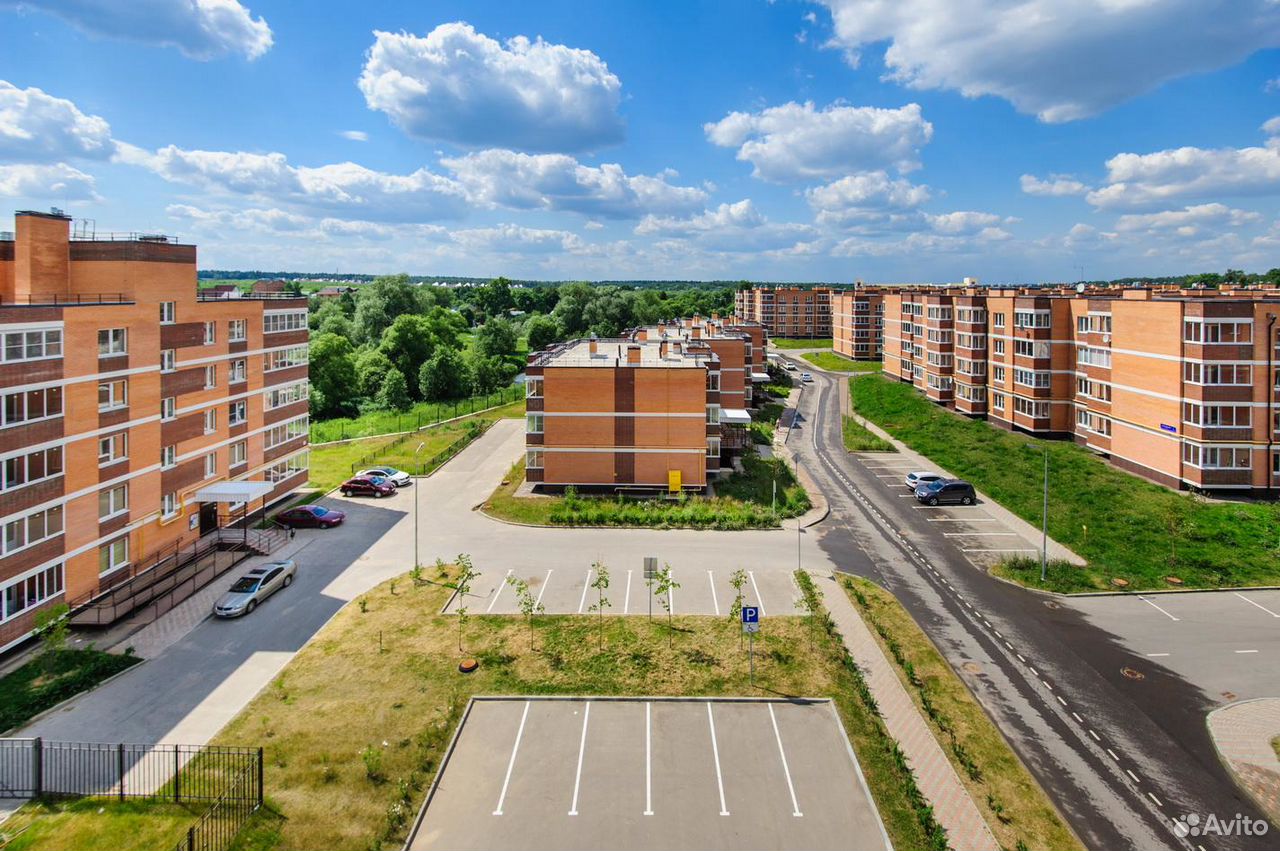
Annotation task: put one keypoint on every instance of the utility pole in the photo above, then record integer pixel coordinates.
(1044, 520)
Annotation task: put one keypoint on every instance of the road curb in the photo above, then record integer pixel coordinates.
(1072, 595)
(52, 709)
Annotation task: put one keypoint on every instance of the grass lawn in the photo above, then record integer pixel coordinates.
(765, 422)
(331, 465)
(97, 824)
(839, 363)
(355, 726)
(800, 343)
(1125, 527)
(1011, 801)
(50, 679)
(421, 414)
(858, 438)
(742, 501)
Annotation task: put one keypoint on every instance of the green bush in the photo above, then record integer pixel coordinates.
(52, 678)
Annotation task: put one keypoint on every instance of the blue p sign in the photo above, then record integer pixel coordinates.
(751, 614)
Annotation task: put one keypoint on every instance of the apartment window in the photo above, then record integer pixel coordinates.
(533, 423)
(939, 382)
(168, 360)
(1082, 418)
(285, 320)
(713, 447)
(112, 341)
(971, 367)
(113, 501)
(1031, 378)
(237, 372)
(168, 312)
(971, 341)
(1082, 324)
(1217, 373)
(997, 401)
(21, 594)
(113, 556)
(31, 529)
(168, 408)
(533, 387)
(237, 413)
(32, 467)
(285, 358)
(1199, 331)
(31, 406)
(211, 465)
(713, 380)
(210, 421)
(1031, 348)
(713, 415)
(169, 505)
(997, 347)
(238, 454)
(1088, 356)
(288, 468)
(997, 320)
(1217, 416)
(997, 374)
(938, 359)
(1217, 457)
(237, 330)
(1031, 319)
(210, 376)
(113, 448)
(1031, 408)
(286, 394)
(168, 456)
(940, 313)
(969, 393)
(533, 459)
(936, 336)
(113, 395)
(210, 333)
(31, 345)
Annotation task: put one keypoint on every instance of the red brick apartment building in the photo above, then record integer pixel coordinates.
(644, 412)
(786, 311)
(125, 397)
(1178, 386)
(857, 323)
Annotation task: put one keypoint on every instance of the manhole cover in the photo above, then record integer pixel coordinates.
(972, 667)
(1229, 695)
(1050, 604)
(1132, 674)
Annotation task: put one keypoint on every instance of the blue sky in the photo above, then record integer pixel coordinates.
(882, 140)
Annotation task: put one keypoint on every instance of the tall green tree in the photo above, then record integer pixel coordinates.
(409, 343)
(372, 366)
(494, 298)
(393, 395)
(489, 374)
(445, 376)
(542, 331)
(496, 338)
(380, 302)
(333, 376)
(570, 310)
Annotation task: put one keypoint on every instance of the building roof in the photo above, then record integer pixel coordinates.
(616, 353)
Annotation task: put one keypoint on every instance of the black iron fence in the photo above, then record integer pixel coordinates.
(33, 768)
(218, 827)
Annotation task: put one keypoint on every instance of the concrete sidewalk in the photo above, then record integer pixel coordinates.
(952, 804)
(1242, 733)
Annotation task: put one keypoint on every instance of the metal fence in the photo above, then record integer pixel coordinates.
(32, 768)
(218, 827)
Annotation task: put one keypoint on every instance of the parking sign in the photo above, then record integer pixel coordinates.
(750, 618)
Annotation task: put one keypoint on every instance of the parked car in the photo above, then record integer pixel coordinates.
(915, 480)
(310, 516)
(946, 490)
(255, 587)
(374, 486)
(399, 478)
(806, 378)
(789, 366)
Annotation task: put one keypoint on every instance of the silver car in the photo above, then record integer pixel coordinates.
(255, 587)
(915, 480)
(399, 478)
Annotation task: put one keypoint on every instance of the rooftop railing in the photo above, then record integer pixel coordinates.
(47, 299)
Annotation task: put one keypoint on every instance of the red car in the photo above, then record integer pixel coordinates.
(368, 486)
(310, 516)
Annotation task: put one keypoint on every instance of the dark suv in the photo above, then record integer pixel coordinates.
(946, 490)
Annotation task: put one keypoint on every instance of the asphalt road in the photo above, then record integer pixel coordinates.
(1120, 755)
(650, 774)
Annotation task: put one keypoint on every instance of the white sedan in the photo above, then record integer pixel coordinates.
(399, 478)
(914, 480)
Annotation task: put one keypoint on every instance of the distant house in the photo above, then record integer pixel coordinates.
(266, 287)
(333, 292)
(221, 291)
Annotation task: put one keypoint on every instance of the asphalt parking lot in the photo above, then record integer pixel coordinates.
(1225, 642)
(982, 538)
(568, 591)
(587, 773)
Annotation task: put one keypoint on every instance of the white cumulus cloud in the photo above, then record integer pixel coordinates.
(354, 135)
(460, 86)
(732, 227)
(37, 127)
(559, 182)
(201, 29)
(1058, 59)
(797, 142)
(1057, 185)
(1188, 221)
(56, 182)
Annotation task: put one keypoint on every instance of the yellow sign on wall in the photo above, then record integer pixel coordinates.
(673, 481)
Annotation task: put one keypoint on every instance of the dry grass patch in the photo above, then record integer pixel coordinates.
(96, 824)
(1012, 802)
(355, 725)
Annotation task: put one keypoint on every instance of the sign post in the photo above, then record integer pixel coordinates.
(650, 570)
(751, 625)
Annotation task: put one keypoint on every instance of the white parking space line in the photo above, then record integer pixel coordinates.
(626, 603)
(962, 520)
(586, 583)
(714, 602)
(1157, 608)
(501, 585)
(648, 758)
(795, 807)
(909, 496)
(715, 753)
(512, 764)
(1259, 605)
(1156, 655)
(582, 749)
(980, 534)
(756, 588)
(1014, 550)
(1246, 651)
(543, 589)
